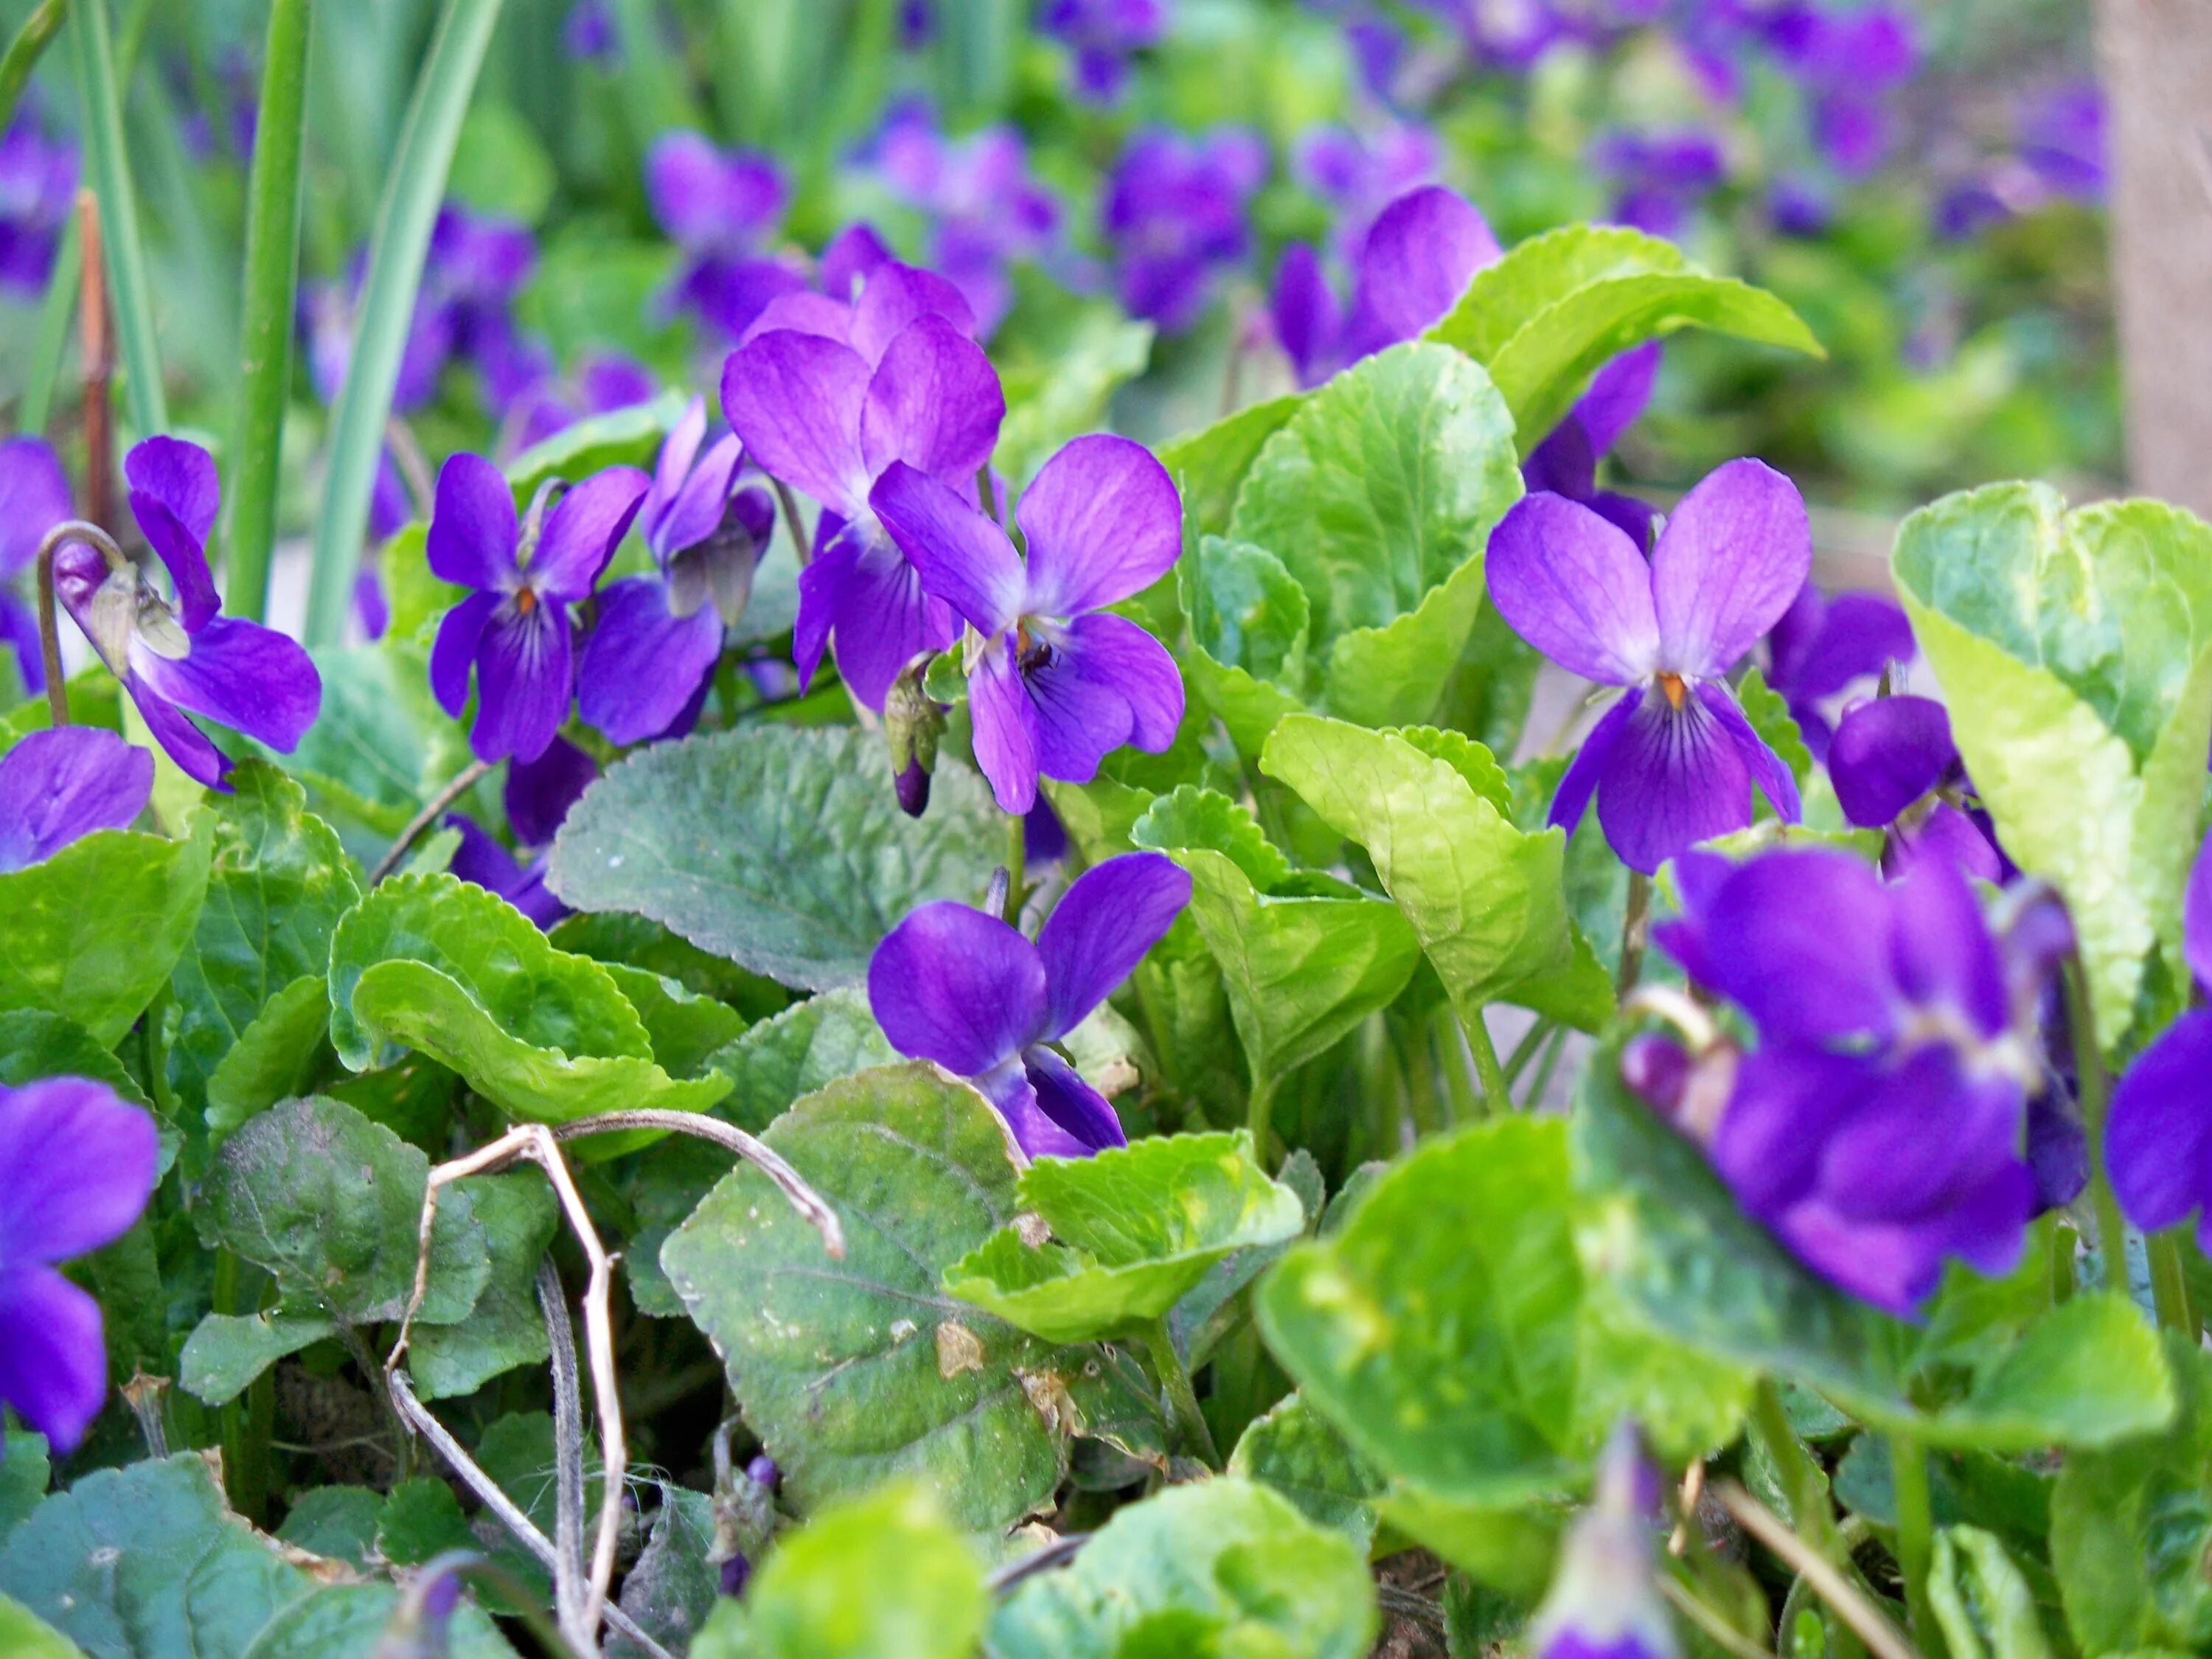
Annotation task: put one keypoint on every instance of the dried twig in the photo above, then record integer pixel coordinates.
(95, 347)
(804, 1199)
(536, 1143)
(567, 1446)
(509, 1513)
(1882, 1638)
(1059, 1551)
(1724, 1634)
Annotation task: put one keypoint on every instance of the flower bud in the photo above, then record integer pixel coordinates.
(912, 723)
(1604, 1602)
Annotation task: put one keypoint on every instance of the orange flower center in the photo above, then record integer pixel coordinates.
(526, 602)
(1673, 686)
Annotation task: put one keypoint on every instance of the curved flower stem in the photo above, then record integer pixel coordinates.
(463, 781)
(1190, 1429)
(1635, 932)
(1916, 1534)
(2093, 1089)
(50, 636)
(1525, 1050)
(24, 51)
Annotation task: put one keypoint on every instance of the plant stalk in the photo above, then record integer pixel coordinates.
(1017, 867)
(1497, 1092)
(96, 348)
(1916, 1536)
(1190, 1426)
(1635, 932)
(398, 249)
(2169, 1284)
(273, 271)
(1259, 1114)
(461, 783)
(2093, 1089)
(109, 165)
(24, 51)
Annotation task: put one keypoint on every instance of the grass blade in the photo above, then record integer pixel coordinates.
(24, 51)
(403, 224)
(110, 166)
(272, 274)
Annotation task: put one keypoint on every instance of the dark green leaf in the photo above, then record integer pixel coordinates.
(1133, 1228)
(782, 848)
(24, 1472)
(852, 1370)
(278, 883)
(335, 1522)
(673, 1587)
(506, 1327)
(685, 1028)
(225, 1352)
(349, 1621)
(332, 1204)
(1293, 1450)
(1981, 1600)
(421, 1519)
(613, 936)
(808, 1044)
(1225, 1566)
(92, 933)
(275, 1058)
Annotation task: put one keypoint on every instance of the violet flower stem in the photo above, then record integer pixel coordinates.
(790, 505)
(2169, 1283)
(1497, 1092)
(463, 781)
(1635, 931)
(1191, 1430)
(1017, 871)
(1260, 1114)
(2095, 1094)
(1525, 1050)
(1915, 1537)
(50, 639)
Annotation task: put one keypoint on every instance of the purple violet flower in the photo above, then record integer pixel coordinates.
(63, 783)
(514, 629)
(1658, 177)
(650, 658)
(2157, 1141)
(538, 795)
(603, 382)
(1414, 266)
(1055, 682)
(1673, 761)
(720, 207)
(186, 657)
(37, 183)
(1174, 213)
(957, 986)
(2063, 140)
(1566, 461)
(1604, 1601)
(1360, 173)
(35, 497)
(1894, 767)
(825, 396)
(1849, 59)
(1103, 35)
(77, 1167)
(589, 33)
(1879, 1128)
(1821, 645)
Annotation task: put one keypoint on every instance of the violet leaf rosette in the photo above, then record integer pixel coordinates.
(183, 657)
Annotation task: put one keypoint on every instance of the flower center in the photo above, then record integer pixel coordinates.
(1673, 685)
(526, 601)
(1031, 650)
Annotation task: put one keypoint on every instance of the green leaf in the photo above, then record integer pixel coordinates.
(782, 848)
(1208, 465)
(421, 1519)
(1222, 1567)
(332, 1204)
(506, 1327)
(499, 167)
(275, 1058)
(442, 967)
(622, 437)
(2130, 1528)
(1511, 1549)
(278, 883)
(1533, 276)
(34, 1044)
(147, 1562)
(1407, 670)
(1301, 969)
(673, 1587)
(1249, 621)
(1055, 395)
(92, 933)
(24, 1471)
(1293, 1450)
(1983, 1603)
(1134, 1230)
(882, 1576)
(808, 1044)
(612, 937)
(854, 1371)
(685, 1028)
(2074, 653)
(2087, 1373)
(24, 1635)
(225, 1352)
(373, 754)
(1487, 901)
(1385, 483)
(1769, 715)
(335, 1522)
(349, 1621)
